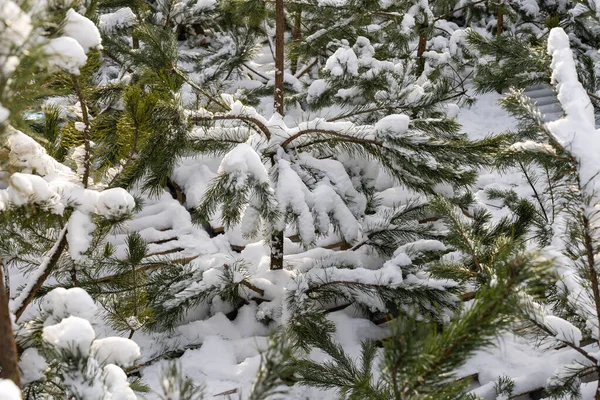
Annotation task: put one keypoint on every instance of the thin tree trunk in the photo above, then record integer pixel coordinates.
(136, 310)
(499, 30)
(9, 364)
(500, 22)
(277, 250)
(6, 278)
(277, 236)
(44, 270)
(279, 56)
(422, 46)
(297, 35)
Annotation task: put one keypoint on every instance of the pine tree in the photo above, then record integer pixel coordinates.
(565, 186)
(62, 356)
(419, 357)
(334, 179)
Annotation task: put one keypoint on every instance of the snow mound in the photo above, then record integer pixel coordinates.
(395, 123)
(122, 18)
(83, 30)
(32, 366)
(65, 53)
(72, 334)
(243, 160)
(75, 302)
(116, 350)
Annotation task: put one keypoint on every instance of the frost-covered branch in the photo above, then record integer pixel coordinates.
(244, 118)
(42, 273)
(326, 132)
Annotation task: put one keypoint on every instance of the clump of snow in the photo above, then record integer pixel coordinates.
(114, 203)
(32, 366)
(83, 30)
(531, 7)
(14, 34)
(79, 234)
(563, 330)
(456, 40)
(332, 3)
(530, 145)
(408, 21)
(341, 62)
(293, 195)
(8, 390)
(316, 89)
(116, 383)
(204, 5)
(31, 157)
(243, 161)
(452, 110)
(62, 303)
(70, 334)
(65, 53)
(27, 188)
(120, 19)
(115, 350)
(395, 123)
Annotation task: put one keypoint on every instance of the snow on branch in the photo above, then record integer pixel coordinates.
(576, 131)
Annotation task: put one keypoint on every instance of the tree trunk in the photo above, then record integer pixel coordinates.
(277, 250)
(277, 236)
(9, 364)
(279, 56)
(297, 36)
(422, 46)
(500, 22)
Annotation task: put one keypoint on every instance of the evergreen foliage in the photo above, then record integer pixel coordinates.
(284, 190)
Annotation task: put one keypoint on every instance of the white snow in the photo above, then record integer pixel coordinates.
(8, 390)
(116, 382)
(343, 61)
(30, 157)
(72, 334)
(204, 5)
(115, 350)
(4, 113)
(30, 189)
(577, 130)
(32, 366)
(244, 161)
(62, 303)
(120, 19)
(393, 124)
(65, 53)
(83, 30)
(563, 330)
(80, 229)
(114, 203)
(14, 35)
